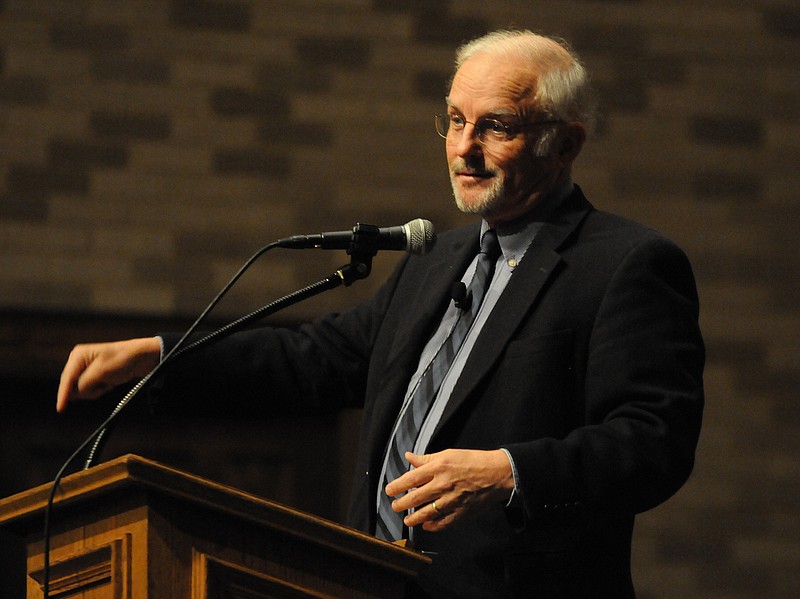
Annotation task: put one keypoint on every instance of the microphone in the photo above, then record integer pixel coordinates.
(462, 299)
(416, 236)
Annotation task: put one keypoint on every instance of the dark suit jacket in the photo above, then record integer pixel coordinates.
(589, 371)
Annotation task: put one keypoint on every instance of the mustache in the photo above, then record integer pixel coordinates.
(459, 165)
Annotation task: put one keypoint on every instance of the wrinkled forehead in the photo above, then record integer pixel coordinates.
(494, 82)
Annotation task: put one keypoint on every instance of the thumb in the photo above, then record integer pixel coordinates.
(417, 460)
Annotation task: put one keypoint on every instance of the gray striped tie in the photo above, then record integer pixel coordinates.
(390, 523)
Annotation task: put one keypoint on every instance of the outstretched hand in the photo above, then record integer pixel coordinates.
(94, 369)
(451, 485)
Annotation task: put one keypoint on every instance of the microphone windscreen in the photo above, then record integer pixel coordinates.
(421, 236)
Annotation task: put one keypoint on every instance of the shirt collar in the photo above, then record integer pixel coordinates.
(516, 236)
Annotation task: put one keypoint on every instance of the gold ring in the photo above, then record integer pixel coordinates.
(436, 509)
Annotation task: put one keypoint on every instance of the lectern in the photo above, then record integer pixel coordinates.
(135, 529)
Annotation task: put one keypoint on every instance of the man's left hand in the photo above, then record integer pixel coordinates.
(450, 485)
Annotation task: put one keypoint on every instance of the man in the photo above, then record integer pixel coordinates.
(572, 402)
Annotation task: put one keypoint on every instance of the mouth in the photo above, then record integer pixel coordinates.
(473, 175)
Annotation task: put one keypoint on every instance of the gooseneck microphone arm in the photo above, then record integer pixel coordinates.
(362, 250)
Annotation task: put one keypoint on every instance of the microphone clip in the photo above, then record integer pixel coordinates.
(461, 297)
(364, 242)
(363, 247)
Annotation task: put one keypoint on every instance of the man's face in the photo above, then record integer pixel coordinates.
(499, 180)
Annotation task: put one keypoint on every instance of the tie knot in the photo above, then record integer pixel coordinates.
(490, 244)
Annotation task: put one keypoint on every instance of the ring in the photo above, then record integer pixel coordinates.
(436, 509)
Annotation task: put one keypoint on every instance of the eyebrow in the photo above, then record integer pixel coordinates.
(489, 114)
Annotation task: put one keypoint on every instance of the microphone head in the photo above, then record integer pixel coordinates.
(461, 297)
(420, 236)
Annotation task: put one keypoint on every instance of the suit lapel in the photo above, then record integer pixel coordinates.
(428, 302)
(422, 308)
(521, 294)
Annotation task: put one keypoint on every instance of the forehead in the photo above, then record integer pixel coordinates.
(489, 82)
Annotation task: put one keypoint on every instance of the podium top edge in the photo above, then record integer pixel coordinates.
(25, 510)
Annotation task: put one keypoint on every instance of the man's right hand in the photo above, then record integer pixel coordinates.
(94, 369)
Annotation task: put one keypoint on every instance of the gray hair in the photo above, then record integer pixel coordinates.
(563, 90)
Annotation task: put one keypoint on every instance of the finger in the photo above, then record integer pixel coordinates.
(432, 519)
(432, 490)
(418, 460)
(426, 513)
(68, 383)
(65, 385)
(416, 498)
(416, 477)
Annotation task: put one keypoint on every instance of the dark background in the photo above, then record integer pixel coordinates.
(148, 147)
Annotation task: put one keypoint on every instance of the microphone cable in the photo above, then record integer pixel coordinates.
(100, 432)
(345, 275)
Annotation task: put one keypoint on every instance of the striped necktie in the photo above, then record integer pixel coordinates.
(390, 523)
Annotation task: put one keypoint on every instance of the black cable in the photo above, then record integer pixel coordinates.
(100, 432)
(359, 268)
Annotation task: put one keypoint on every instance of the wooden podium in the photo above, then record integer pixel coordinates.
(135, 529)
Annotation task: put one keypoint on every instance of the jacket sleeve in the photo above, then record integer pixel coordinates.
(317, 368)
(643, 396)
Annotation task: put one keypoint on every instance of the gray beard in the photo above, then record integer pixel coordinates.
(489, 202)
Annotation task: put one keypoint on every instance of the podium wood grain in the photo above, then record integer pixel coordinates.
(136, 529)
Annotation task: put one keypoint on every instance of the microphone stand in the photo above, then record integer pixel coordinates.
(363, 248)
(358, 268)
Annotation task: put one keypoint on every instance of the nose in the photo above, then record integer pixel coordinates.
(468, 144)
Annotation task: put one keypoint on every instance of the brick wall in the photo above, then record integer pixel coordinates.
(148, 147)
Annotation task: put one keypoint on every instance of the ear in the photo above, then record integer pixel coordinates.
(570, 143)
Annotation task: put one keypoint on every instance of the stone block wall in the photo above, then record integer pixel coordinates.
(148, 147)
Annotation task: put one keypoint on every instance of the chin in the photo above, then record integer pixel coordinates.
(483, 205)
(482, 201)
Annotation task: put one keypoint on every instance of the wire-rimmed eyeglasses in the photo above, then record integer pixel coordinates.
(486, 128)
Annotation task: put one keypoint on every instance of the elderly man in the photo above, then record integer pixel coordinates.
(512, 434)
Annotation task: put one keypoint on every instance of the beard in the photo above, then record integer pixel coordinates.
(488, 201)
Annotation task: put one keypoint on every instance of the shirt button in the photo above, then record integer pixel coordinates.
(512, 263)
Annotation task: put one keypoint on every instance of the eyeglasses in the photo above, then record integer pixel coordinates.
(486, 129)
